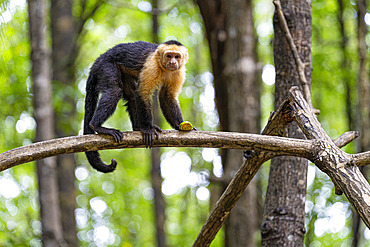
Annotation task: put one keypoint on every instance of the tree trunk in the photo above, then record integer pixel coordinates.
(363, 113)
(159, 202)
(363, 78)
(240, 79)
(62, 27)
(229, 28)
(283, 216)
(345, 64)
(52, 233)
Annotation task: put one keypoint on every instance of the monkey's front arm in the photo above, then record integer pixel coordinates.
(145, 121)
(170, 108)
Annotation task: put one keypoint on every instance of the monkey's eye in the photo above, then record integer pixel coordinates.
(177, 56)
(168, 55)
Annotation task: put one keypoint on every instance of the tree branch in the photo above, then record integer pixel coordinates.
(361, 159)
(330, 160)
(346, 138)
(172, 138)
(300, 65)
(168, 138)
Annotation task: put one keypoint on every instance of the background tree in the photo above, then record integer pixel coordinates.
(52, 231)
(363, 109)
(230, 34)
(62, 36)
(283, 216)
(159, 202)
(66, 30)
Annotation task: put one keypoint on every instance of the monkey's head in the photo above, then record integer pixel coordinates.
(173, 55)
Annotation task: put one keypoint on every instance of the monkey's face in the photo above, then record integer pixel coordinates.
(172, 60)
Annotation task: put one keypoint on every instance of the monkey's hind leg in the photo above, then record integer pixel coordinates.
(106, 106)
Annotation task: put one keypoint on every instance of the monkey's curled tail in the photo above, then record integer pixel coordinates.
(90, 104)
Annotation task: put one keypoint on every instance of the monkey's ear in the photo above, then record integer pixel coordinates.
(185, 55)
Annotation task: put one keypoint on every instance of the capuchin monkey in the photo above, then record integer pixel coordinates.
(133, 71)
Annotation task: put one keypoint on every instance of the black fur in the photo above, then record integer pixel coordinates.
(170, 108)
(173, 42)
(114, 76)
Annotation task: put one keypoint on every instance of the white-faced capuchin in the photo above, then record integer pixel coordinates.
(132, 72)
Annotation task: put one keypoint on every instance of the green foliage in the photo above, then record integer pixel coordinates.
(117, 209)
(19, 210)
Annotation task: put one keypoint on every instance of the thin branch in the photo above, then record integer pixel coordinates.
(85, 15)
(346, 138)
(300, 65)
(80, 23)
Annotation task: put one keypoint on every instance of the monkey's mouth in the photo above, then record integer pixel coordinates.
(172, 67)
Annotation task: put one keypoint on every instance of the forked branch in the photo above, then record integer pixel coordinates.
(339, 165)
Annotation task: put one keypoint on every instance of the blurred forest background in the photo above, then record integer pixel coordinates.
(162, 197)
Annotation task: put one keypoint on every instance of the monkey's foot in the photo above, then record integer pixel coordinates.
(117, 134)
(186, 126)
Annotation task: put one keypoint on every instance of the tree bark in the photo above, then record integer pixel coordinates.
(62, 27)
(214, 17)
(159, 202)
(52, 233)
(229, 28)
(345, 65)
(240, 78)
(283, 216)
(363, 109)
(363, 78)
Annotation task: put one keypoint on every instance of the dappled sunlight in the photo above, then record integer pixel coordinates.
(26, 122)
(333, 220)
(177, 174)
(268, 74)
(9, 188)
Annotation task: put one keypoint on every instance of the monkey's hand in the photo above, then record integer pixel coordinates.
(149, 135)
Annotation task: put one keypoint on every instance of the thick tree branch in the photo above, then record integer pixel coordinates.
(339, 165)
(169, 138)
(133, 139)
